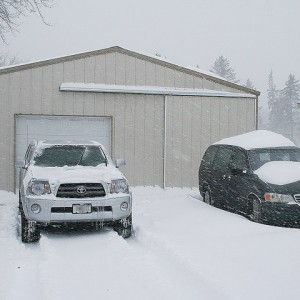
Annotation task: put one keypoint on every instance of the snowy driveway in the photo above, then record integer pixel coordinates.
(182, 249)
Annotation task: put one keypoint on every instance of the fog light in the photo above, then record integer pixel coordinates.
(35, 208)
(124, 206)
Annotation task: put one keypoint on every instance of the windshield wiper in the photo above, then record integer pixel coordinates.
(81, 156)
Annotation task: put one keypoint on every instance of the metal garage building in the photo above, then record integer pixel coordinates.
(157, 115)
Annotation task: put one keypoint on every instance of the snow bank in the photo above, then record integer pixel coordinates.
(258, 139)
(279, 172)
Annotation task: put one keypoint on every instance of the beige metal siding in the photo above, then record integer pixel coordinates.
(138, 136)
(194, 123)
(4, 132)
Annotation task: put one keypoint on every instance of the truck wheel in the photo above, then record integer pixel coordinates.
(29, 230)
(124, 227)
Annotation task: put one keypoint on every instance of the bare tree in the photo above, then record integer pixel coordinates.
(6, 60)
(11, 10)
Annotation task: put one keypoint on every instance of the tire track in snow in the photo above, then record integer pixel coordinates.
(117, 269)
(186, 279)
(20, 263)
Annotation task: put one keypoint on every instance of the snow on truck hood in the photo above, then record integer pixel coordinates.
(258, 139)
(76, 174)
(279, 172)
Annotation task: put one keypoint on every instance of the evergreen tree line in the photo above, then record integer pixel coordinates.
(284, 115)
(284, 104)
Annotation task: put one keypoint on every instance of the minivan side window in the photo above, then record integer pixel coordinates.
(209, 156)
(239, 160)
(222, 159)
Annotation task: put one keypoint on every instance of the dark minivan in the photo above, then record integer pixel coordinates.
(256, 174)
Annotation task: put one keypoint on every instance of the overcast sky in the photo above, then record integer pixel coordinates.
(256, 36)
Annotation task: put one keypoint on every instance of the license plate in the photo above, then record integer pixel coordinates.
(82, 208)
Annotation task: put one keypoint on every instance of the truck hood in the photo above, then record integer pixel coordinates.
(76, 174)
(279, 172)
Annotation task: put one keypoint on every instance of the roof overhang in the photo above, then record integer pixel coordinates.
(147, 90)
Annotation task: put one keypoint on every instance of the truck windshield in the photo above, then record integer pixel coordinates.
(69, 155)
(259, 157)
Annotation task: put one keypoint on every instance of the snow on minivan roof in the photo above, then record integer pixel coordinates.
(257, 139)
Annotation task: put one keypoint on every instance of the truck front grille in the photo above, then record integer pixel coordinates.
(63, 210)
(80, 190)
(297, 198)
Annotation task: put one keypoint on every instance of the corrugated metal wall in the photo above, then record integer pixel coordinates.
(193, 123)
(138, 120)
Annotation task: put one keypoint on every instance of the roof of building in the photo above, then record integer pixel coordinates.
(151, 58)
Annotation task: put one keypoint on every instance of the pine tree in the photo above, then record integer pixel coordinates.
(290, 97)
(249, 84)
(275, 115)
(222, 68)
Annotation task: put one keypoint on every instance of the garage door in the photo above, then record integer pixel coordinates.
(30, 128)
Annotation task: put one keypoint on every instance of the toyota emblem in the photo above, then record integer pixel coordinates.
(81, 189)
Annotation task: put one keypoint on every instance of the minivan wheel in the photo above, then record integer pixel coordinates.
(207, 197)
(256, 211)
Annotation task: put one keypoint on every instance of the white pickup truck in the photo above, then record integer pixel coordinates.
(69, 183)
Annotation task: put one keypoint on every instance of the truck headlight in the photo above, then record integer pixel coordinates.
(274, 197)
(119, 186)
(38, 187)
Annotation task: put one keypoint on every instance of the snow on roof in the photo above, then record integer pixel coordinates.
(258, 139)
(61, 142)
(209, 73)
(157, 57)
(198, 70)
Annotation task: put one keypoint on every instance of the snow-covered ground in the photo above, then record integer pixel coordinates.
(182, 249)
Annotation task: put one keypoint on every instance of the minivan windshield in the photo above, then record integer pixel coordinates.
(69, 155)
(259, 157)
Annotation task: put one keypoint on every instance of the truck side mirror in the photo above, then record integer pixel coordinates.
(120, 162)
(19, 164)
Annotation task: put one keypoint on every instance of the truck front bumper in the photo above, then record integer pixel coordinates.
(56, 210)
